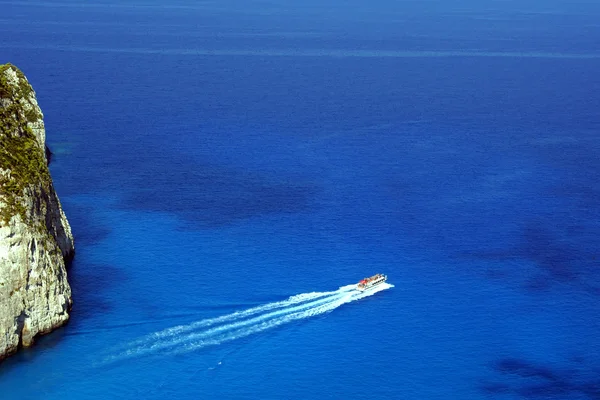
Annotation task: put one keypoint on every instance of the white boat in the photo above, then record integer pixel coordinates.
(371, 282)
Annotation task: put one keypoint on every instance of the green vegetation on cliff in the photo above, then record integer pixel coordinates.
(22, 161)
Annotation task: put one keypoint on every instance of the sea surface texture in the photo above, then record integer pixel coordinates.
(230, 167)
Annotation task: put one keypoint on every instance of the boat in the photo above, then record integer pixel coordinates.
(371, 282)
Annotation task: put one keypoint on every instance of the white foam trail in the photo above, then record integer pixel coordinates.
(273, 323)
(177, 330)
(165, 342)
(242, 323)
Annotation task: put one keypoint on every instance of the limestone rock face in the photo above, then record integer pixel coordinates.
(35, 236)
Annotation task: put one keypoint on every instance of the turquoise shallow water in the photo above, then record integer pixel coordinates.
(215, 159)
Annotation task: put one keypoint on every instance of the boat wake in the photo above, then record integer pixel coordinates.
(237, 325)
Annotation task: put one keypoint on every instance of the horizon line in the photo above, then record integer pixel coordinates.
(334, 53)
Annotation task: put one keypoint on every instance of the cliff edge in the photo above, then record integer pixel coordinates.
(35, 236)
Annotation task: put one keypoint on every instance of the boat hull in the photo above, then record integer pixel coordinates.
(364, 289)
(370, 283)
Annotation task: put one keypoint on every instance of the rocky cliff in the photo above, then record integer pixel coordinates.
(35, 237)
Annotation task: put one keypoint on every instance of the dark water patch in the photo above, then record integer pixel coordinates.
(207, 195)
(549, 252)
(89, 284)
(561, 256)
(87, 229)
(550, 246)
(538, 283)
(31, 354)
(202, 194)
(530, 380)
(219, 199)
(525, 369)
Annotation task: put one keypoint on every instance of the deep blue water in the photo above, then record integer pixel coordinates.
(218, 156)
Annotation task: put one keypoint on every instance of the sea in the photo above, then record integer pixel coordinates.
(230, 170)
